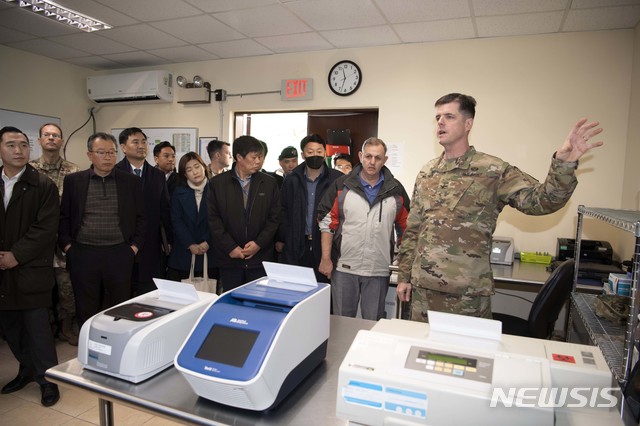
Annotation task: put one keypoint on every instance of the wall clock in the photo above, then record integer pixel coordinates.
(345, 78)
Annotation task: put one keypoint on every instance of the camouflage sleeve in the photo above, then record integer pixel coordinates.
(407, 253)
(523, 192)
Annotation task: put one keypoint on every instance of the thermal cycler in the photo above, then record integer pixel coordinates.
(257, 342)
(139, 338)
(462, 371)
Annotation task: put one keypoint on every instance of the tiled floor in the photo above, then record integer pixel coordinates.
(76, 407)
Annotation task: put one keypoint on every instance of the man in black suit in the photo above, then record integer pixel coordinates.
(101, 230)
(157, 214)
(28, 219)
(164, 154)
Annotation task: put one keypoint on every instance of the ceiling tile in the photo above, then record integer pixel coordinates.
(169, 31)
(400, 11)
(455, 29)
(602, 19)
(198, 29)
(337, 14)
(32, 23)
(361, 37)
(263, 21)
(98, 11)
(152, 10)
(47, 48)
(581, 4)
(7, 35)
(225, 5)
(236, 48)
(512, 25)
(92, 43)
(142, 37)
(184, 54)
(295, 43)
(137, 59)
(95, 63)
(514, 7)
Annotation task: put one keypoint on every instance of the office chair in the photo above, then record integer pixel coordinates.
(546, 306)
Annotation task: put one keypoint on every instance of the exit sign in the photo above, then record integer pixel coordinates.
(296, 89)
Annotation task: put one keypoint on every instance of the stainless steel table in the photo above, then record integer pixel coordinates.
(169, 395)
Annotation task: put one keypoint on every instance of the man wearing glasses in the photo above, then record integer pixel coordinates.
(101, 229)
(56, 168)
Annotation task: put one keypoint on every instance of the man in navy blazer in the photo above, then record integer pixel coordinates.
(149, 263)
(101, 229)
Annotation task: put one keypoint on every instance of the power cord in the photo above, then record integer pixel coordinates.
(513, 295)
(91, 117)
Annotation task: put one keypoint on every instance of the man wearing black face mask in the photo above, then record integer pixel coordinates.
(302, 190)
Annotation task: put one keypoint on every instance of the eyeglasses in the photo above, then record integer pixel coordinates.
(344, 167)
(51, 135)
(105, 153)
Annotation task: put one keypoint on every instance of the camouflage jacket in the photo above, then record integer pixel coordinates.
(454, 209)
(56, 172)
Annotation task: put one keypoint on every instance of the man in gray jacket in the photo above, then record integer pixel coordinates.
(357, 217)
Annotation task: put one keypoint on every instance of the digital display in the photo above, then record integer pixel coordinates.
(467, 362)
(227, 345)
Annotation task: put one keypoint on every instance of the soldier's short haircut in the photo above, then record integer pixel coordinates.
(466, 102)
(245, 145)
(215, 146)
(101, 135)
(50, 124)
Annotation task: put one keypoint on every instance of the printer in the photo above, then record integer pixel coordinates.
(257, 342)
(590, 250)
(596, 259)
(139, 338)
(460, 370)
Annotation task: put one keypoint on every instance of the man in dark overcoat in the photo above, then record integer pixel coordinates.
(28, 226)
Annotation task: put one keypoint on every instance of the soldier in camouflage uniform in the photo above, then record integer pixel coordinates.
(53, 165)
(444, 256)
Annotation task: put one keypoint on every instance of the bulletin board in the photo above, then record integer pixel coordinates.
(184, 139)
(29, 124)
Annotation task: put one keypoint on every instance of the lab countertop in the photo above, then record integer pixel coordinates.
(169, 395)
(312, 403)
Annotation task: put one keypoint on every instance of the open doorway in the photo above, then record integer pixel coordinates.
(286, 128)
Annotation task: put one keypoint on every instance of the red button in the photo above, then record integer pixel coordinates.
(563, 358)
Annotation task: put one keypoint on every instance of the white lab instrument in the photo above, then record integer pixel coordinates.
(461, 370)
(140, 337)
(257, 342)
(502, 250)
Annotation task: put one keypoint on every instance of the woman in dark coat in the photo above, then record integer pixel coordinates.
(189, 219)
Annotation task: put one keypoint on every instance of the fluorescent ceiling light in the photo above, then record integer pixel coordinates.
(53, 10)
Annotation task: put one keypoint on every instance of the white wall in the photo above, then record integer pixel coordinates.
(39, 85)
(530, 91)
